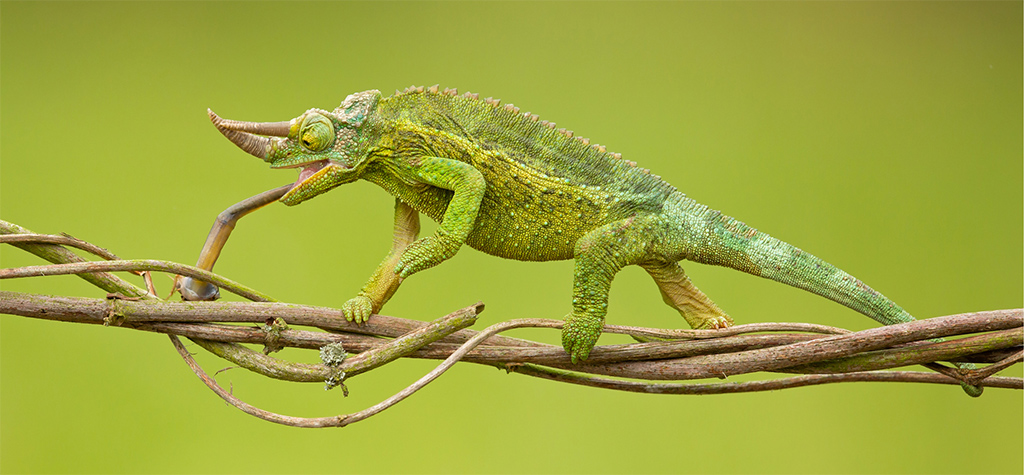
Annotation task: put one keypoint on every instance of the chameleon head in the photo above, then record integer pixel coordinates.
(329, 148)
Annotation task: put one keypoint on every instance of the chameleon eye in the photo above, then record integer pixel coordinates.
(317, 133)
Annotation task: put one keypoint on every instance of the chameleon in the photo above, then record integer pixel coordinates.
(504, 182)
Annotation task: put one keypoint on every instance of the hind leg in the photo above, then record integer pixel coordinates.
(679, 293)
(599, 255)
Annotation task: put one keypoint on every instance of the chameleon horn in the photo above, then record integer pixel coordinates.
(277, 129)
(238, 133)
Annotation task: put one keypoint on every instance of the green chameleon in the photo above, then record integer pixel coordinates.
(516, 187)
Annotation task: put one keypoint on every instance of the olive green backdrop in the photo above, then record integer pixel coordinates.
(884, 137)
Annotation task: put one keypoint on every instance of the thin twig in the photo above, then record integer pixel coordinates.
(341, 420)
(372, 358)
(59, 255)
(227, 396)
(574, 377)
(983, 374)
(444, 366)
(344, 420)
(645, 334)
(137, 265)
(58, 239)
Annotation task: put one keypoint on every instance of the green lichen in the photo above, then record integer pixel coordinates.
(333, 355)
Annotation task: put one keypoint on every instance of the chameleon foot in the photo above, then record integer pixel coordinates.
(579, 335)
(714, 322)
(357, 309)
(424, 254)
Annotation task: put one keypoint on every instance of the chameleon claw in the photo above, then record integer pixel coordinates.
(578, 353)
(424, 254)
(357, 309)
(579, 335)
(720, 322)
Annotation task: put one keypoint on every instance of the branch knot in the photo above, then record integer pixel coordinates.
(272, 340)
(115, 316)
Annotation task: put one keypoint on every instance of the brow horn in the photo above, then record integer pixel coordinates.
(241, 133)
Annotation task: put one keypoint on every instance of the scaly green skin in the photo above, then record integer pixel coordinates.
(512, 186)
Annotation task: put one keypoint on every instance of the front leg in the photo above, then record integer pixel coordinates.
(384, 282)
(469, 186)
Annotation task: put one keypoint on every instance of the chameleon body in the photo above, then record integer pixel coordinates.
(508, 184)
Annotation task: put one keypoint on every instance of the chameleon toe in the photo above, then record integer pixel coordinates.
(357, 309)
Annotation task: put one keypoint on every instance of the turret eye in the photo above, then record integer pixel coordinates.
(317, 133)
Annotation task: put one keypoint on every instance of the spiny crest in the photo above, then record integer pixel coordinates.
(512, 109)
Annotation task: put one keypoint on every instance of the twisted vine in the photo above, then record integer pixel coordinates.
(819, 354)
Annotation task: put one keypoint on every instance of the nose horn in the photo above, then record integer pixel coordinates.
(241, 133)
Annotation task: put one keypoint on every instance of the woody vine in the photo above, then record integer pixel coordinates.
(808, 354)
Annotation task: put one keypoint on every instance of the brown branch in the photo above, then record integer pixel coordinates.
(55, 239)
(575, 378)
(379, 355)
(59, 255)
(687, 354)
(750, 386)
(343, 420)
(983, 374)
(136, 265)
(679, 359)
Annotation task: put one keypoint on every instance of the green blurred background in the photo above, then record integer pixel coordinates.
(884, 137)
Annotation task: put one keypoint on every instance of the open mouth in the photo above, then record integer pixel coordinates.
(310, 169)
(322, 175)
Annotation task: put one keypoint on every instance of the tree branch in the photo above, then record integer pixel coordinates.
(831, 354)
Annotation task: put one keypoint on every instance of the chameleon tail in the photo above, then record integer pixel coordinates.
(728, 242)
(732, 243)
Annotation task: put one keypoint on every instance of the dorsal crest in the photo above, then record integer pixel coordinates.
(522, 135)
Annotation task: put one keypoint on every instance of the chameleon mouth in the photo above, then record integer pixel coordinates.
(310, 169)
(314, 178)
(317, 177)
